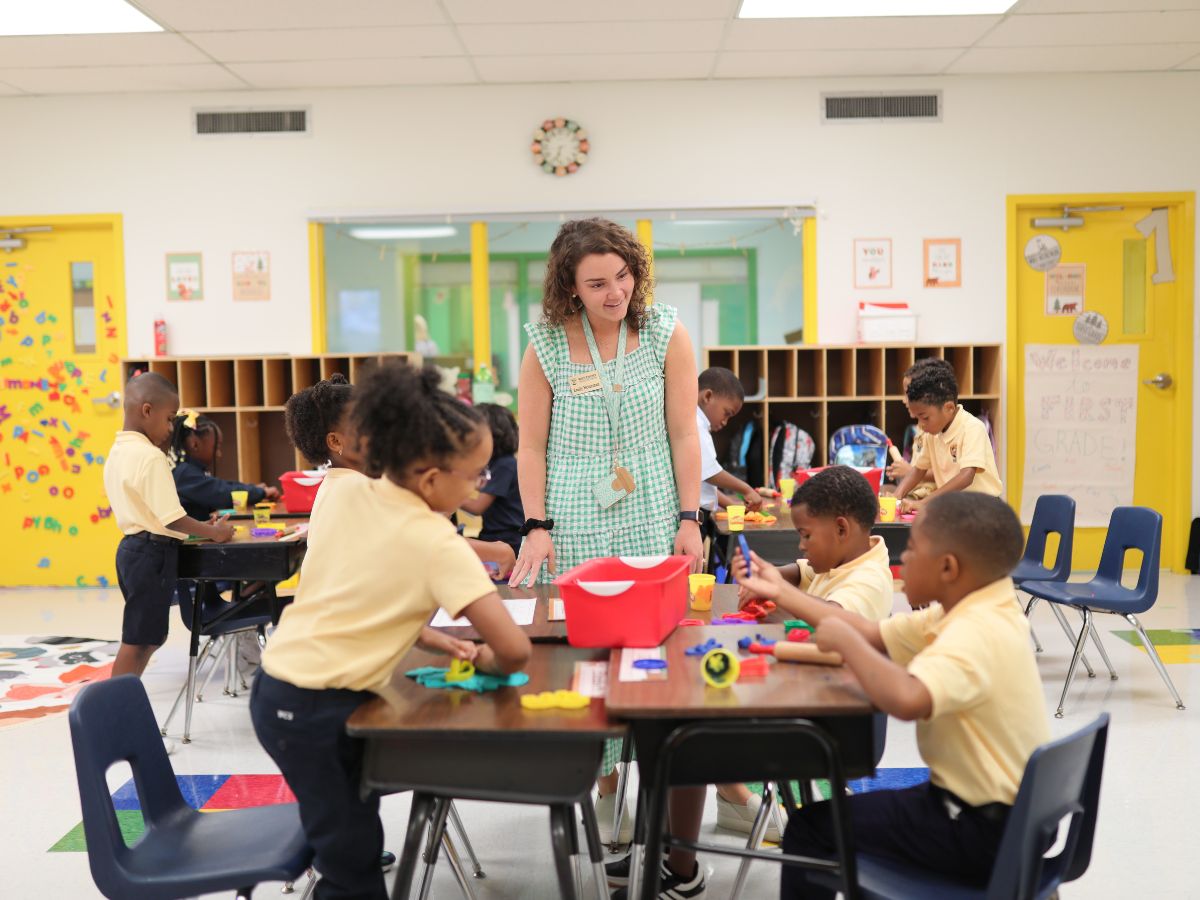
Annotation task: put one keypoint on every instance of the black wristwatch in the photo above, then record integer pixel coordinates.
(532, 524)
(690, 515)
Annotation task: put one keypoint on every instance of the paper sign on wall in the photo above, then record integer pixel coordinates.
(943, 262)
(1066, 289)
(873, 263)
(1080, 427)
(185, 276)
(252, 276)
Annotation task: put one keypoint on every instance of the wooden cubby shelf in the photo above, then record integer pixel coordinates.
(823, 388)
(245, 396)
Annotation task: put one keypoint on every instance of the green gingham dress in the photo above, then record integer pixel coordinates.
(579, 454)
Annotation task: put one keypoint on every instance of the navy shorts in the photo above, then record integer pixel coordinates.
(146, 571)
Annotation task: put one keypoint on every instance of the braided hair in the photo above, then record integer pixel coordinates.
(199, 426)
(404, 417)
(312, 413)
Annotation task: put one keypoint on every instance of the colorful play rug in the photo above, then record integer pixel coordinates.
(39, 675)
(1174, 645)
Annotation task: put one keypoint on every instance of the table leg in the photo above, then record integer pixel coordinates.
(193, 651)
(437, 831)
(422, 809)
(559, 826)
(591, 832)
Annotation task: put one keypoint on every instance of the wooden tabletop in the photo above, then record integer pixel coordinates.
(278, 511)
(789, 689)
(407, 707)
(542, 628)
(777, 508)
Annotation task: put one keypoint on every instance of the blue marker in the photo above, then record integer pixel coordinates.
(745, 551)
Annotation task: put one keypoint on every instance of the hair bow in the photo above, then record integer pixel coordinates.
(189, 417)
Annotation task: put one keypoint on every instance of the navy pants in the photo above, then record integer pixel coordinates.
(910, 825)
(304, 731)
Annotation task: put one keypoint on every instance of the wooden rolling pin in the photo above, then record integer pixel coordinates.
(790, 651)
(894, 453)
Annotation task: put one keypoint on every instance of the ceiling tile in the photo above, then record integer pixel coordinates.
(328, 43)
(46, 51)
(858, 34)
(1095, 30)
(356, 73)
(833, 63)
(1079, 6)
(242, 15)
(599, 67)
(592, 38)
(121, 79)
(1139, 58)
(497, 11)
(7, 90)
(1193, 63)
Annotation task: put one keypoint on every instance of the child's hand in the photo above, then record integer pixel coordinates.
(439, 642)
(754, 500)
(270, 493)
(909, 505)
(899, 470)
(762, 580)
(833, 634)
(222, 530)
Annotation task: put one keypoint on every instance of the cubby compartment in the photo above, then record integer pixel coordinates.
(227, 466)
(960, 358)
(868, 372)
(306, 371)
(192, 390)
(335, 364)
(896, 361)
(752, 411)
(781, 373)
(988, 410)
(810, 373)
(807, 416)
(839, 372)
(987, 370)
(361, 366)
(723, 357)
(220, 383)
(896, 422)
(277, 381)
(249, 455)
(852, 412)
(167, 368)
(751, 372)
(928, 353)
(133, 367)
(248, 382)
(275, 450)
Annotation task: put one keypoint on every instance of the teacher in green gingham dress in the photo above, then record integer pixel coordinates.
(594, 306)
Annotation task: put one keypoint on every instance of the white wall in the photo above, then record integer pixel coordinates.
(656, 146)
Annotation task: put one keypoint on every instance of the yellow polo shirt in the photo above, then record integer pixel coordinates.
(379, 562)
(140, 489)
(863, 585)
(964, 444)
(989, 714)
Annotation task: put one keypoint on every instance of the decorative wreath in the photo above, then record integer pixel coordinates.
(560, 147)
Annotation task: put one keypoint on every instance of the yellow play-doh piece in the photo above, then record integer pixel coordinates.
(555, 700)
(720, 668)
(571, 699)
(537, 701)
(460, 670)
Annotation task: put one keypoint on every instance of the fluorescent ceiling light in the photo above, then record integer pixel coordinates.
(852, 9)
(402, 232)
(26, 17)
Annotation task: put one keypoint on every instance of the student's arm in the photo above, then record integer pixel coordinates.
(914, 477)
(534, 399)
(889, 686)
(679, 368)
(507, 649)
(478, 504)
(208, 491)
(219, 530)
(436, 641)
(497, 552)
(724, 481)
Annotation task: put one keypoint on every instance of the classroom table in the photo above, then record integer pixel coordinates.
(449, 744)
(830, 697)
(278, 511)
(778, 542)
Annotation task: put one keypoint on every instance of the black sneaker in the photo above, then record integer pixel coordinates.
(617, 873)
(387, 862)
(674, 887)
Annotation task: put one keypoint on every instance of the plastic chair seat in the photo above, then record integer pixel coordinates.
(880, 878)
(1030, 570)
(1100, 594)
(198, 853)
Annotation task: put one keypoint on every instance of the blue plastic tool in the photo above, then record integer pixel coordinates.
(701, 649)
(649, 663)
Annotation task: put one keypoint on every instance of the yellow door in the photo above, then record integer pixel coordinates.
(1137, 256)
(63, 335)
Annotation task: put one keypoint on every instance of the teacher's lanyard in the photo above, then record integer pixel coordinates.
(614, 391)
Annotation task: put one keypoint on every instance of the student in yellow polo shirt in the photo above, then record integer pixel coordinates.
(956, 449)
(962, 668)
(382, 556)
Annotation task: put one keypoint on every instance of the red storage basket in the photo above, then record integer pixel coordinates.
(874, 476)
(300, 490)
(628, 601)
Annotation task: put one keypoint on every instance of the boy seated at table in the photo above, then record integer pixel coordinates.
(842, 564)
(956, 448)
(382, 556)
(962, 668)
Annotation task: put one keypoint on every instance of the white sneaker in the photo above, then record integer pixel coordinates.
(606, 807)
(734, 817)
(169, 745)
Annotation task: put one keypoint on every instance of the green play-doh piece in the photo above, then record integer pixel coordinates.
(791, 624)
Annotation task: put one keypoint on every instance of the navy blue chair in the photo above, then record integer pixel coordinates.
(1130, 528)
(1061, 779)
(1053, 514)
(183, 852)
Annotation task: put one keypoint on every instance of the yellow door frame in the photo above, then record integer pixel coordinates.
(808, 261)
(316, 284)
(1178, 514)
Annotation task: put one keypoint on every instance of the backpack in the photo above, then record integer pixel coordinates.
(746, 453)
(792, 448)
(863, 446)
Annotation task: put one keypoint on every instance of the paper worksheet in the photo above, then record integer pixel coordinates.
(521, 610)
(591, 678)
(557, 612)
(631, 654)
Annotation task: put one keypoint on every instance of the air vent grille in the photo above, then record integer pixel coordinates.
(881, 107)
(252, 121)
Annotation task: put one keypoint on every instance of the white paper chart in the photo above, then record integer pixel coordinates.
(520, 609)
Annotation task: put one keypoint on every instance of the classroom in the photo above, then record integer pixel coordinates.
(440, 438)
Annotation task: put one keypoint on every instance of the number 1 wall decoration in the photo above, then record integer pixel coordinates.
(873, 263)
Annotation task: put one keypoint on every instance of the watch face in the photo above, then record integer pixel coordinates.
(560, 146)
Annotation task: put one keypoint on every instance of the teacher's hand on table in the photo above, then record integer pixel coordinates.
(688, 543)
(536, 549)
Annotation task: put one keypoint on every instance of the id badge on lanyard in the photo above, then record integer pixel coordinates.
(619, 482)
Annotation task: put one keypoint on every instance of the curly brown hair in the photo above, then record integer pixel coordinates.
(583, 237)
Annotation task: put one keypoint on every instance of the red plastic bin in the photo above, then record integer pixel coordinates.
(299, 490)
(628, 601)
(874, 476)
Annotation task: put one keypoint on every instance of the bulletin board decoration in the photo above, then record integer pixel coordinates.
(943, 262)
(252, 275)
(872, 263)
(1066, 289)
(185, 276)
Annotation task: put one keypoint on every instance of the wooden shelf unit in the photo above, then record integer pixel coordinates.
(822, 388)
(245, 396)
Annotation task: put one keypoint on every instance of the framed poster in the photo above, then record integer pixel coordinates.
(252, 275)
(943, 262)
(1066, 289)
(872, 263)
(185, 276)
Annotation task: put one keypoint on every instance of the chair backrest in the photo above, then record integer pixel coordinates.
(1053, 514)
(111, 721)
(1061, 779)
(1133, 528)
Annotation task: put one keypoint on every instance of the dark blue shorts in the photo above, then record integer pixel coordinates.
(146, 571)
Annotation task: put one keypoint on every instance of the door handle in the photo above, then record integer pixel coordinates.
(112, 401)
(1162, 381)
